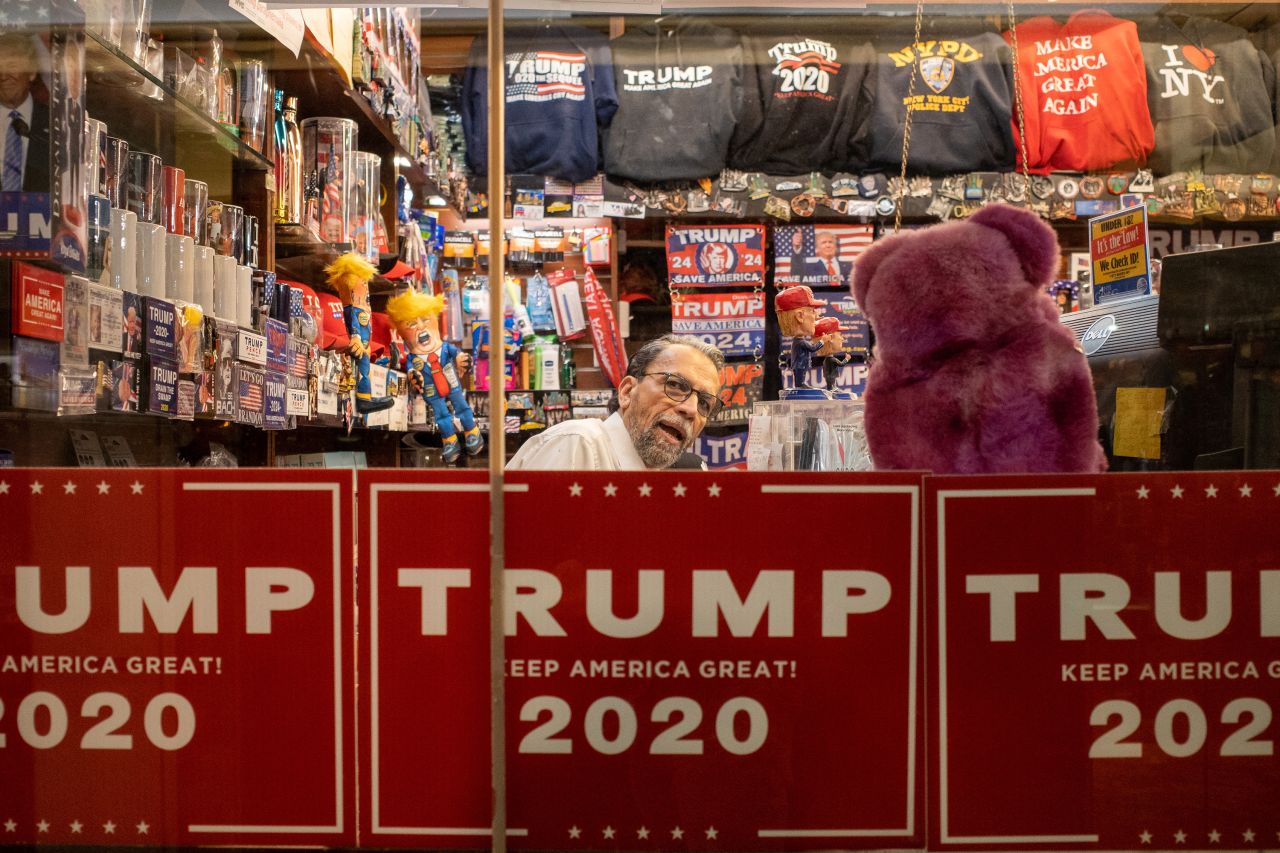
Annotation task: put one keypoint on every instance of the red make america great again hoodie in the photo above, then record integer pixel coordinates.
(1084, 93)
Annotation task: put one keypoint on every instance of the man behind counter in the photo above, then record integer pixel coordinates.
(670, 391)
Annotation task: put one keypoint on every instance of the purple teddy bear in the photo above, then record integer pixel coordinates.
(973, 371)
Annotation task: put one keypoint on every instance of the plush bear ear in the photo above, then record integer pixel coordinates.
(1033, 241)
(864, 268)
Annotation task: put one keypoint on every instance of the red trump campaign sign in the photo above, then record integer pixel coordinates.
(424, 587)
(684, 675)
(1107, 659)
(175, 658)
(678, 675)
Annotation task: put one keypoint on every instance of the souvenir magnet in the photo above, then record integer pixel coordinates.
(839, 205)
(939, 208)
(777, 207)
(1117, 183)
(1262, 183)
(1091, 186)
(675, 203)
(952, 187)
(1016, 187)
(1041, 187)
(733, 181)
(973, 190)
(816, 184)
(757, 186)
(1062, 210)
(1155, 206)
(896, 188)
(699, 201)
(1180, 206)
(920, 187)
(1206, 202)
(1233, 209)
(869, 186)
(1142, 182)
(1068, 188)
(803, 205)
(844, 187)
(885, 205)
(787, 185)
(1259, 205)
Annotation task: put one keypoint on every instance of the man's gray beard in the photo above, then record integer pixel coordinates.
(653, 449)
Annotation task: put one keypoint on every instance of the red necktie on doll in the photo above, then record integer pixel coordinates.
(437, 375)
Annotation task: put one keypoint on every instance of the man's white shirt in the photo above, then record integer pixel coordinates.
(580, 445)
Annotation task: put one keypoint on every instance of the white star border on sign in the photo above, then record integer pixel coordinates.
(610, 491)
(679, 489)
(575, 490)
(645, 490)
(136, 486)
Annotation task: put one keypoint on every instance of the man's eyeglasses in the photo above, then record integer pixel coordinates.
(678, 389)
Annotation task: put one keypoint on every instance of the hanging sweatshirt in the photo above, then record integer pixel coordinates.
(1084, 91)
(806, 94)
(962, 106)
(679, 96)
(1209, 91)
(559, 92)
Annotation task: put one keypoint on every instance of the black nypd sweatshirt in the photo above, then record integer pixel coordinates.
(679, 95)
(962, 104)
(559, 93)
(804, 99)
(1209, 91)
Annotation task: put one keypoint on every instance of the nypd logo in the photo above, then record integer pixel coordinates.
(937, 72)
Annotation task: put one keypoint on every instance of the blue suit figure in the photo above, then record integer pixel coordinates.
(433, 366)
(349, 275)
(797, 312)
(802, 350)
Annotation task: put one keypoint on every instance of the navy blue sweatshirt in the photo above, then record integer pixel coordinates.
(679, 97)
(560, 93)
(805, 96)
(963, 102)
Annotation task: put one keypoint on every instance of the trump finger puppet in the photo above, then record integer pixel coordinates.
(827, 332)
(433, 365)
(349, 276)
(797, 312)
(974, 373)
